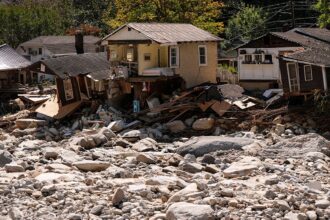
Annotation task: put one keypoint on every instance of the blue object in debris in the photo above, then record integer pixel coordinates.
(136, 106)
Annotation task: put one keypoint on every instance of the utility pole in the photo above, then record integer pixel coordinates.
(293, 22)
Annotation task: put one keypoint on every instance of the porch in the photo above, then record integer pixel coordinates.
(143, 58)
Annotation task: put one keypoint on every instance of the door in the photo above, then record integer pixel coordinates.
(293, 77)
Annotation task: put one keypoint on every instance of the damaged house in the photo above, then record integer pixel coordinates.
(307, 70)
(79, 79)
(154, 55)
(13, 71)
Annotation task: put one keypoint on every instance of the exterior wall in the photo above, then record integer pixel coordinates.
(189, 68)
(262, 71)
(151, 49)
(305, 86)
(35, 58)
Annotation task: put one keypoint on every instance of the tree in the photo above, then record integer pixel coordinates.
(247, 24)
(23, 22)
(323, 6)
(203, 14)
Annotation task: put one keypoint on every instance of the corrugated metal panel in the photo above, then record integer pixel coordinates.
(74, 65)
(10, 59)
(166, 33)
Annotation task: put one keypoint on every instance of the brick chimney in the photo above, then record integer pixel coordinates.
(79, 42)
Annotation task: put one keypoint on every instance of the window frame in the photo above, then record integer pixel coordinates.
(177, 55)
(311, 79)
(145, 55)
(199, 55)
(67, 82)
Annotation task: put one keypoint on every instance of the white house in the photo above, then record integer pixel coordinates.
(258, 66)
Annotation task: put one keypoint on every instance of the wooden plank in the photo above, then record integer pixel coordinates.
(52, 109)
(204, 106)
(221, 107)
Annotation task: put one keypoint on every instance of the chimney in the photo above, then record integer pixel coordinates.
(79, 42)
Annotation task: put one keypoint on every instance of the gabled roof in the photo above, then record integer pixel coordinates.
(80, 64)
(62, 44)
(10, 59)
(165, 33)
(314, 56)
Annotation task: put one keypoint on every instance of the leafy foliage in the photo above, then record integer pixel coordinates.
(22, 22)
(247, 24)
(203, 14)
(323, 6)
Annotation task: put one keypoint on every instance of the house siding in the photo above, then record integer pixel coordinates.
(189, 68)
(305, 86)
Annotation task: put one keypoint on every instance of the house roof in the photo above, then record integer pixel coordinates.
(95, 64)
(10, 59)
(165, 33)
(317, 44)
(62, 44)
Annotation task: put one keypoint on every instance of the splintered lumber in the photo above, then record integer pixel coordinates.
(260, 115)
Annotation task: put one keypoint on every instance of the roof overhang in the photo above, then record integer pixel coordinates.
(303, 62)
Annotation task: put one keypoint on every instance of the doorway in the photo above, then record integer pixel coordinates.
(293, 77)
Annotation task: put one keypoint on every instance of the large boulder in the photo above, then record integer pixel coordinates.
(29, 123)
(203, 124)
(205, 144)
(184, 211)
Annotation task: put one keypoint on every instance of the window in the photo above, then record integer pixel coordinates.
(40, 51)
(113, 55)
(308, 73)
(268, 58)
(68, 89)
(258, 58)
(130, 54)
(174, 56)
(248, 58)
(30, 51)
(147, 57)
(202, 54)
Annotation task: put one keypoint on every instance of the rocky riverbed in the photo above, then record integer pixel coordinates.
(97, 174)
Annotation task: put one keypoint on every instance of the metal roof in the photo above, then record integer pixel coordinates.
(95, 64)
(166, 33)
(10, 59)
(62, 44)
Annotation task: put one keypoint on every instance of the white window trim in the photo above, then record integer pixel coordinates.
(199, 57)
(66, 96)
(305, 73)
(297, 72)
(177, 57)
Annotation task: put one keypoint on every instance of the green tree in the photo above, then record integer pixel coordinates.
(246, 25)
(203, 14)
(29, 19)
(323, 6)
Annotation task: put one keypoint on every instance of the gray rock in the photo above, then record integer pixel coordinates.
(14, 168)
(118, 197)
(51, 153)
(269, 194)
(15, 214)
(311, 215)
(191, 167)
(74, 216)
(322, 204)
(295, 216)
(91, 165)
(243, 167)
(116, 126)
(5, 158)
(146, 144)
(199, 146)
(184, 211)
(97, 210)
(145, 158)
(282, 205)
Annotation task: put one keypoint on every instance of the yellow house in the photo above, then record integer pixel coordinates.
(164, 49)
